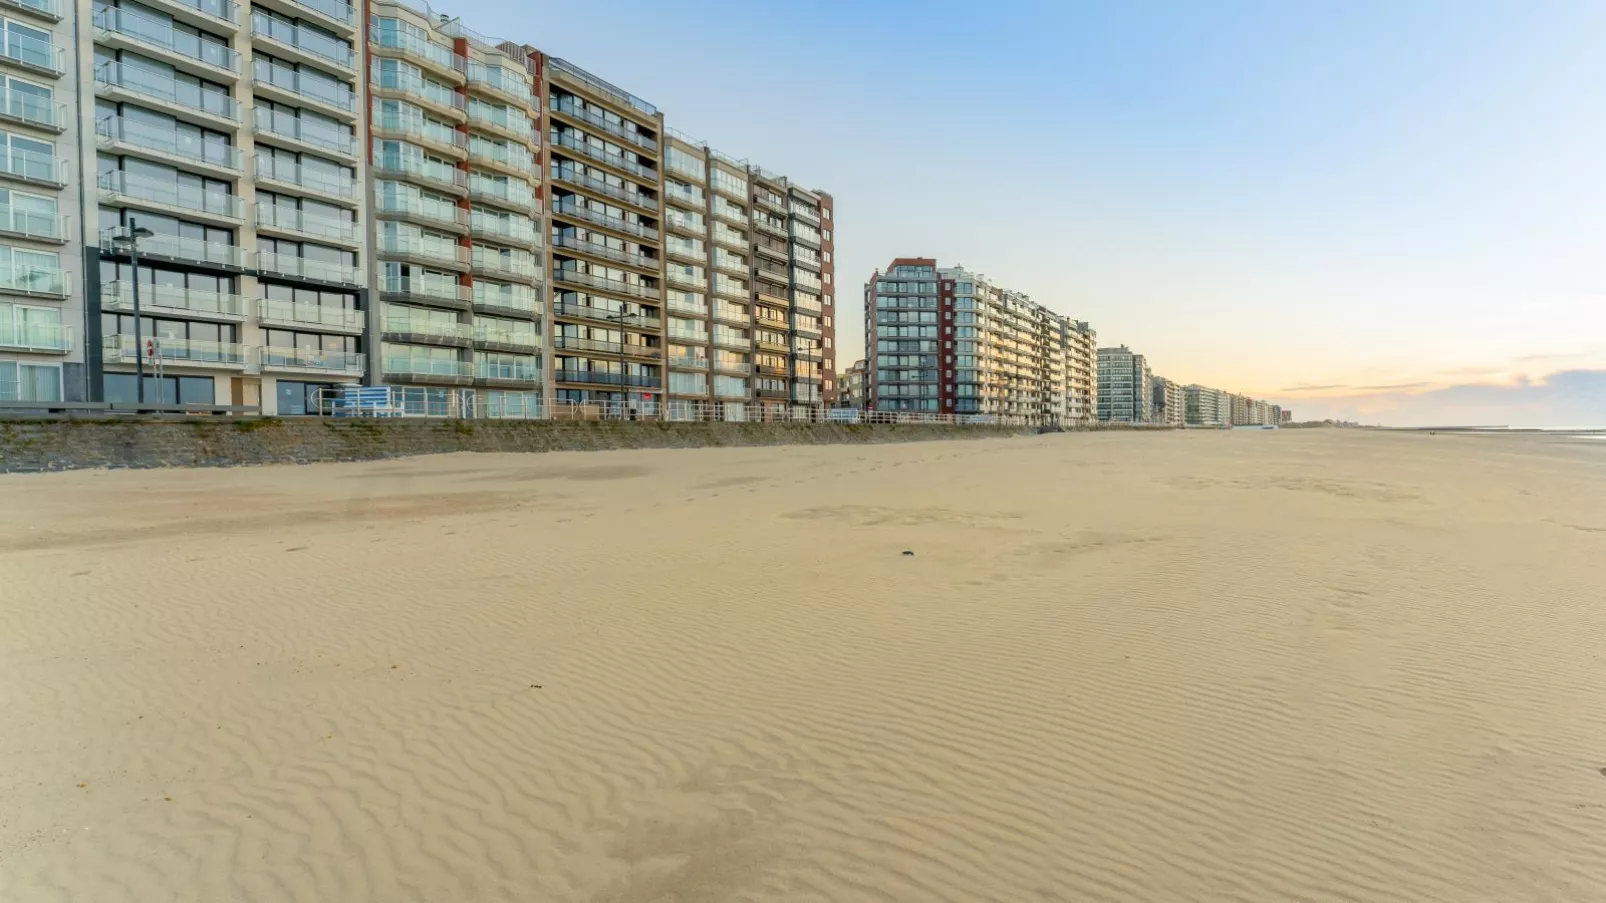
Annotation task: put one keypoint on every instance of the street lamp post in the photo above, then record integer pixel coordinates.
(130, 239)
(624, 381)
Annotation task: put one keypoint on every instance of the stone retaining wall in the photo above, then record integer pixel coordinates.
(68, 444)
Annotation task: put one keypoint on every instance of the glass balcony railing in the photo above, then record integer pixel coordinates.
(688, 363)
(411, 244)
(515, 369)
(511, 191)
(30, 336)
(33, 109)
(571, 209)
(162, 36)
(308, 268)
(126, 186)
(276, 169)
(339, 97)
(690, 308)
(521, 266)
(573, 175)
(279, 358)
(115, 129)
(419, 127)
(167, 89)
(576, 75)
(599, 377)
(192, 250)
(428, 328)
(422, 287)
(515, 231)
(512, 156)
(32, 165)
(513, 85)
(419, 89)
(506, 119)
(217, 9)
(288, 125)
(418, 48)
(275, 217)
(519, 298)
(421, 168)
(568, 107)
(122, 349)
(34, 52)
(333, 10)
(598, 249)
(32, 223)
(617, 286)
(590, 312)
(35, 280)
(50, 8)
(597, 152)
(424, 366)
(409, 203)
(305, 40)
(159, 299)
(522, 336)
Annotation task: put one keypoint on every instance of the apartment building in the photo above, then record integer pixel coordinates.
(1168, 405)
(851, 386)
(304, 197)
(1204, 406)
(946, 340)
(1126, 386)
(750, 272)
(1081, 373)
(42, 345)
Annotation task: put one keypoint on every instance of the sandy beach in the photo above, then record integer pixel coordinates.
(1251, 666)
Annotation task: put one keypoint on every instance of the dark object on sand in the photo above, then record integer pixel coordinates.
(907, 552)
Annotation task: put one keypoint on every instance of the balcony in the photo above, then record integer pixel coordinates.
(307, 268)
(678, 306)
(401, 203)
(503, 193)
(573, 176)
(730, 238)
(508, 304)
(805, 304)
(511, 157)
(772, 391)
(151, 193)
(741, 316)
(33, 168)
(427, 331)
(280, 86)
(302, 45)
(679, 222)
(522, 268)
(770, 202)
(335, 15)
(687, 280)
(770, 344)
(728, 340)
(600, 378)
(579, 78)
(568, 142)
(808, 354)
(208, 15)
(273, 218)
(507, 372)
(436, 59)
(179, 250)
(736, 367)
(120, 82)
(304, 315)
(36, 282)
(18, 223)
(513, 125)
(45, 9)
(502, 337)
(416, 168)
(688, 363)
(766, 224)
(311, 360)
(604, 315)
(597, 249)
(126, 28)
(416, 128)
(425, 291)
(731, 214)
(427, 370)
(121, 349)
(770, 248)
(30, 109)
(806, 214)
(585, 214)
(616, 286)
(280, 174)
(404, 86)
(413, 246)
(567, 107)
(502, 82)
(279, 127)
(117, 133)
(730, 264)
(520, 231)
(42, 338)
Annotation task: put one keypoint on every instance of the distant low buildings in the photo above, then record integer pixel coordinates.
(1125, 387)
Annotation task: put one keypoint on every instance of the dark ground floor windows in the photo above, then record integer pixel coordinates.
(121, 387)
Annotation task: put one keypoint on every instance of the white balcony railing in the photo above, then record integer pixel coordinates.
(171, 299)
(193, 352)
(28, 336)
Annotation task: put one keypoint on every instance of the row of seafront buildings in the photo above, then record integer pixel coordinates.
(1129, 392)
(946, 340)
(323, 195)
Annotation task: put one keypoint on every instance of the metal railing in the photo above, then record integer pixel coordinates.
(570, 209)
(33, 166)
(193, 250)
(131, 185)
(511, 370)
(573, 110)
(413, 366)
(572, 175)
(167, 89)
(569, 72)
(28, 336)
(602, 250)
(33, 225)
(604, 378)
(35, 280)
(122, 349)
(618, 161)
(588, 312)
(162, 35)
(51, 8)
(275, 358)
(618, 286)
(396, 401)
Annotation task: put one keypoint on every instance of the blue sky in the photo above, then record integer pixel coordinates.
(1262, 196)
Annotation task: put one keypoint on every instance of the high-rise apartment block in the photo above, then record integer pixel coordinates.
(1205, 406)
(945, 340)
(320, 195)
(1167, 405)
(1125, 388)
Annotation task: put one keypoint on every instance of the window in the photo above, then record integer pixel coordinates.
(120, 387)
(21, 381)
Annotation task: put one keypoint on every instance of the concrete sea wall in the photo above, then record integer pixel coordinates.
(66, 444)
